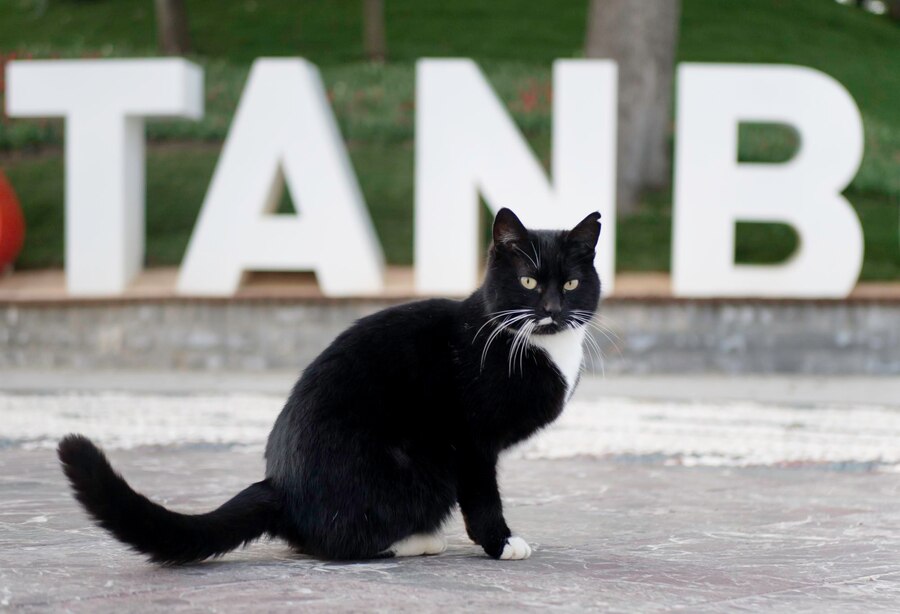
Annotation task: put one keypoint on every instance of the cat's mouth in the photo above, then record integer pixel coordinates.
(546, 326)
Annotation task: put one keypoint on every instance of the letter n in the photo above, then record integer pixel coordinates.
(467, 145)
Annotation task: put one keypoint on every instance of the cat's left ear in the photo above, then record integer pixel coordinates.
(587, 231)
(508, 229)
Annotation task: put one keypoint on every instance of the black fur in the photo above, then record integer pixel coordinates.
(167, 537)
(400, 418)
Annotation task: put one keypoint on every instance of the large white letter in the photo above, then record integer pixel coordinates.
(283, 130)
(713, 191)
(466, 145)
(104, 103)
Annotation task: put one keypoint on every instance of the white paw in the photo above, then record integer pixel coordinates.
(435, 543)
(419, 544)
(515, 549)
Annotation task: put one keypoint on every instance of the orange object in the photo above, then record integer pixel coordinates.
(12, 224)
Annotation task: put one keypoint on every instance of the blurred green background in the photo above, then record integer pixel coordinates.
(514, 41)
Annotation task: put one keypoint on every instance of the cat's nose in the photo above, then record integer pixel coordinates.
(551, 307)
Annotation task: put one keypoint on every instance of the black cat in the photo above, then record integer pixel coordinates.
(400, 418)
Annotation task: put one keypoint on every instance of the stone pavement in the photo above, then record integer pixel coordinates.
(608, 536)
(612, 532)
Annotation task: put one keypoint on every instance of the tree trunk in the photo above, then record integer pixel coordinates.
(374, 38)
(172, 27)
(642, 37)
(894, 10)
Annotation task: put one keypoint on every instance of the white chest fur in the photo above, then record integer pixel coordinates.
(566, 351)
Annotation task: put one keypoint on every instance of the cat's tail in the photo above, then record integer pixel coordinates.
(166, 537)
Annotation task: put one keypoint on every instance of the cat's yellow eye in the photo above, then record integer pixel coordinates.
(570, 285)
(528, 282)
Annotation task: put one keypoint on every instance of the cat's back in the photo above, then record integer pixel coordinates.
(395, 355)
(396, 331)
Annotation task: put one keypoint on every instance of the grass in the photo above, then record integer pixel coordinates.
(328, 32)
(515, 43)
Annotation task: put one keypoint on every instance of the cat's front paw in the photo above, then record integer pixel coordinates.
(515, 549)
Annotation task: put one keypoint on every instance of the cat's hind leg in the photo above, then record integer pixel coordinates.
(418, 544)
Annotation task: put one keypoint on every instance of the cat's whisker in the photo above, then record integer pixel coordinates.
(518, 249)
(519, 338)
(606, 325)
(509, 355)
(612, 342)
(592, 343)
(503, 314)
(590, 355)
(495, 316)
(512, 347)
(588, 319)
(594, 349)
(614, 345)
(524, 347)
(521, 344)
(501, 327)
(493, 336)
(573, 322)
(600, 320)
(593, 362)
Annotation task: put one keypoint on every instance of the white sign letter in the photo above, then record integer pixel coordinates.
(104, 103)
(283, 130)
(466, 145)
(713, 191)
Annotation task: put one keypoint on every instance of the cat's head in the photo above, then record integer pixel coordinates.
(543, 279)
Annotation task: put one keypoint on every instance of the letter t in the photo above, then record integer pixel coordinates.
(104, 103)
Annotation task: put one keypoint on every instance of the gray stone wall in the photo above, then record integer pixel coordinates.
(641, 336)
(807, 337)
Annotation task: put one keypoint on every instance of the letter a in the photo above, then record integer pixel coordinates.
(283, 130)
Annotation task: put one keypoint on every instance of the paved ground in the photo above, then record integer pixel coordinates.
(607, 536)
(620, 532)
(793, 389)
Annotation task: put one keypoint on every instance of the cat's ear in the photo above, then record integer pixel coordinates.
(508, 230)
(587, 231)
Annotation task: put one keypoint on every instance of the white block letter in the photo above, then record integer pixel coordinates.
(104, 103)
(713, 191)
(466, 145)
(283, 130)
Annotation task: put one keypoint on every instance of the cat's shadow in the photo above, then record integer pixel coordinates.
(288, 557)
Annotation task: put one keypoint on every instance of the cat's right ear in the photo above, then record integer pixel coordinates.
(508, 230)
(587, 231)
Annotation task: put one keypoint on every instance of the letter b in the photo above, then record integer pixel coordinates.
(713, 191)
